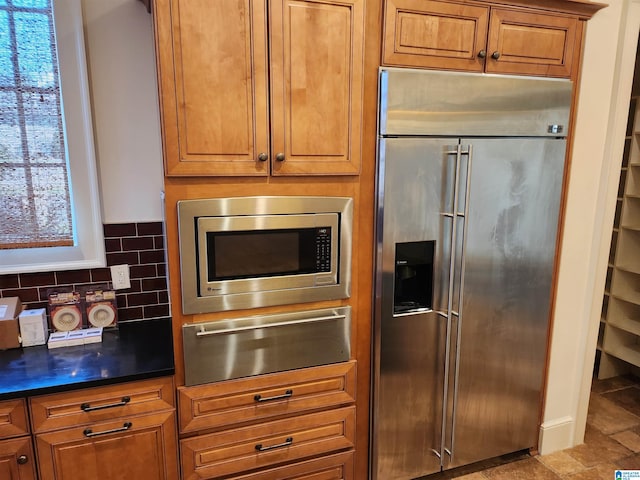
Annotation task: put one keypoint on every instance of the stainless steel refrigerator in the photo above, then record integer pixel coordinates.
(470, 172)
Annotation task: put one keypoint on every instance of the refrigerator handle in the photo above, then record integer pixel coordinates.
(457, 151)
(463, 216)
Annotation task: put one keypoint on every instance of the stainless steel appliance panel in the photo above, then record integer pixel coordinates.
(411, 347)
(415, 102)
(261, 292)
(474, 164)
(514, 198)
(242, 347)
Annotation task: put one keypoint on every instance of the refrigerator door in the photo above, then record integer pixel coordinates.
(508, 254)
(415, 195)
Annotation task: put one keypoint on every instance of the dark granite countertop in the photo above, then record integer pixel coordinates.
(133, 351)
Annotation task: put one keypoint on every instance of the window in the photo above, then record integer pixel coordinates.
(49, 207)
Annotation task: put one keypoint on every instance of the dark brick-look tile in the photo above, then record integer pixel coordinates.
(140, 245)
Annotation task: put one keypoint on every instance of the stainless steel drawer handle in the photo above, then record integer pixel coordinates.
(90, 433)
(86, 407)
(260, 398)
(286, 443)
(203, 332)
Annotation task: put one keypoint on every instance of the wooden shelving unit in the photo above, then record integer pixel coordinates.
(619, 340)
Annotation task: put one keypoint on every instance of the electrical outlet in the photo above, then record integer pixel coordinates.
(120, 276)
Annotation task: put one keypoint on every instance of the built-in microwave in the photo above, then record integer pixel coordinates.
(248, 252)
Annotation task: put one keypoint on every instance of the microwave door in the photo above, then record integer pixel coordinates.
(266, 253)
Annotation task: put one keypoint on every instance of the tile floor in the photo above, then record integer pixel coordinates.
(612, 441)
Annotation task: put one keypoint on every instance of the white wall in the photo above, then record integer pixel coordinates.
(605, 88)
(122, 78)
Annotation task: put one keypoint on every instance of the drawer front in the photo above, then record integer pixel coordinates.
(80, 407)
(263, 397)
(13, 418)
(330, 467)
(246, 449)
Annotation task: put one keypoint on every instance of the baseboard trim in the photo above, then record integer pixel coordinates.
(556, 435)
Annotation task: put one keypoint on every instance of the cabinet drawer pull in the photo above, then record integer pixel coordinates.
(22, 459)
(90, 433)
(88, 408)
(286, 443)
(260, 398)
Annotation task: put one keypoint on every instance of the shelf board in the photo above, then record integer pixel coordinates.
(634, 227)
(627, 298)
(627, 324)
(628, 268)
(630, 353)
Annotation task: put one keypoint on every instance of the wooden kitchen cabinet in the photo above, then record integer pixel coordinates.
(242, 95)
(16, 453)
(292, 424)
(114, 432)
(479, 38)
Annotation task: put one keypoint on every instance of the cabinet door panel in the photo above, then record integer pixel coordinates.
(531, 43)
(144, 451)
(10, 451)
(212, 70)
(316, 86)
(434, 34)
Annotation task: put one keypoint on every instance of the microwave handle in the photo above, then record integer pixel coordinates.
(204, 333)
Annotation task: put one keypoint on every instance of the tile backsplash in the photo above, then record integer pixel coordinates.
(140, 245)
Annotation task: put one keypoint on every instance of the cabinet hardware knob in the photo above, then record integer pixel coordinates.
(482, 54)
(280, 157)
(86, 407)
(263, 157)
(260, 398)
(495, 55)
(22, 459)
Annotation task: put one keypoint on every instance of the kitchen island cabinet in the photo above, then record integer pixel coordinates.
(484, 37)
(257, 88)
(16, 454)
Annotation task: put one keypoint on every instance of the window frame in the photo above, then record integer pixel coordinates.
(88, 250)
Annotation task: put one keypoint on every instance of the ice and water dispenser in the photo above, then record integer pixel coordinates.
(413, 283)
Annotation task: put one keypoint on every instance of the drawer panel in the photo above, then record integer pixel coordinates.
(13, 418)
(330, 467)
(266, 396)
(71, 409)
(270, 444)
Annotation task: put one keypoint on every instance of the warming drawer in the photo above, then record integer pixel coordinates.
(242, 347)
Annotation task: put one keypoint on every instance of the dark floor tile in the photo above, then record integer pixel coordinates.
(614, 383)
(629, 463)
(529, 469)
(628, 398)
(598, 448)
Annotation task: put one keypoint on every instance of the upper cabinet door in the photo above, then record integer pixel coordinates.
(530, 43)
(434, 34)
(316, 59)
(212, 65)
